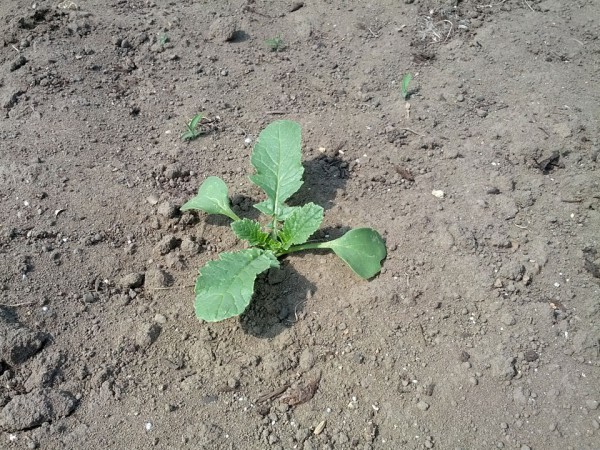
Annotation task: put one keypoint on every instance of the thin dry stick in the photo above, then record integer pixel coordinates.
(17, 305)
(373, 33)
(296, 309)
(527, 3)
(451, 28)
(413, 131)
(168, 288)
(579, 42)
(431, 25)
(270, 395)
(490, 5)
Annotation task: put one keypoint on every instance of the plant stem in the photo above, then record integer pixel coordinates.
(274, 228)
(233, 216)
(307, 246)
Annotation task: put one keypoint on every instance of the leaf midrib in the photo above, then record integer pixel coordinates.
(276, 200)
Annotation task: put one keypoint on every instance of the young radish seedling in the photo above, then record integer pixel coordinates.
(276, 44)
(224, 287)
(193, 131)
(406, 79)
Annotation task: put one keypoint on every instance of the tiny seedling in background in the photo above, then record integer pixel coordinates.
(225, 286)
(406, 79)
(193, 131)
(163, 39)
(276, 44)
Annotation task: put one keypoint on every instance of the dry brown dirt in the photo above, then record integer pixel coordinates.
(482, 330)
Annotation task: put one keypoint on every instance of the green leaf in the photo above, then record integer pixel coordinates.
(194, 122)
(212, 198)
(406, 79)
(251, 231)
(224, 287)
(362, 249)
(300, 225)
(284, 212)
(277, 160)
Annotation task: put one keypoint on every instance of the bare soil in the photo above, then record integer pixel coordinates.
(482, 330)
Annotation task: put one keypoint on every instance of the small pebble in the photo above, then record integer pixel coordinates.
(591, 404)
(168, 210)
(423, 406)
(508, 319)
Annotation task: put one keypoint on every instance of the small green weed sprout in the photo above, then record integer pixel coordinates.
(225, 286)
(163, 39)
(406, 79)
(193, 131)
(276, 44)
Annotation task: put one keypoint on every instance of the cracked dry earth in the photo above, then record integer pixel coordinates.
(481, 331)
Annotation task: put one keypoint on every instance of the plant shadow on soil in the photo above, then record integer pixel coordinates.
(278, 302)
(239, 36)
(323, 177)
(281, 294)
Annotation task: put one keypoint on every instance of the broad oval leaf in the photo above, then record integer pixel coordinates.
(277, 159)
(212, 198)
(224, 287)
(300, 225)
(362, 249)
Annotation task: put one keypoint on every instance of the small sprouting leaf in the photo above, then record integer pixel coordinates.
(212, 198)
(194, 122)
(224, 287)
(277, 160)
(406, 79)
(276, 44)
(251, 231)
(300, 225)
(362, 249)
